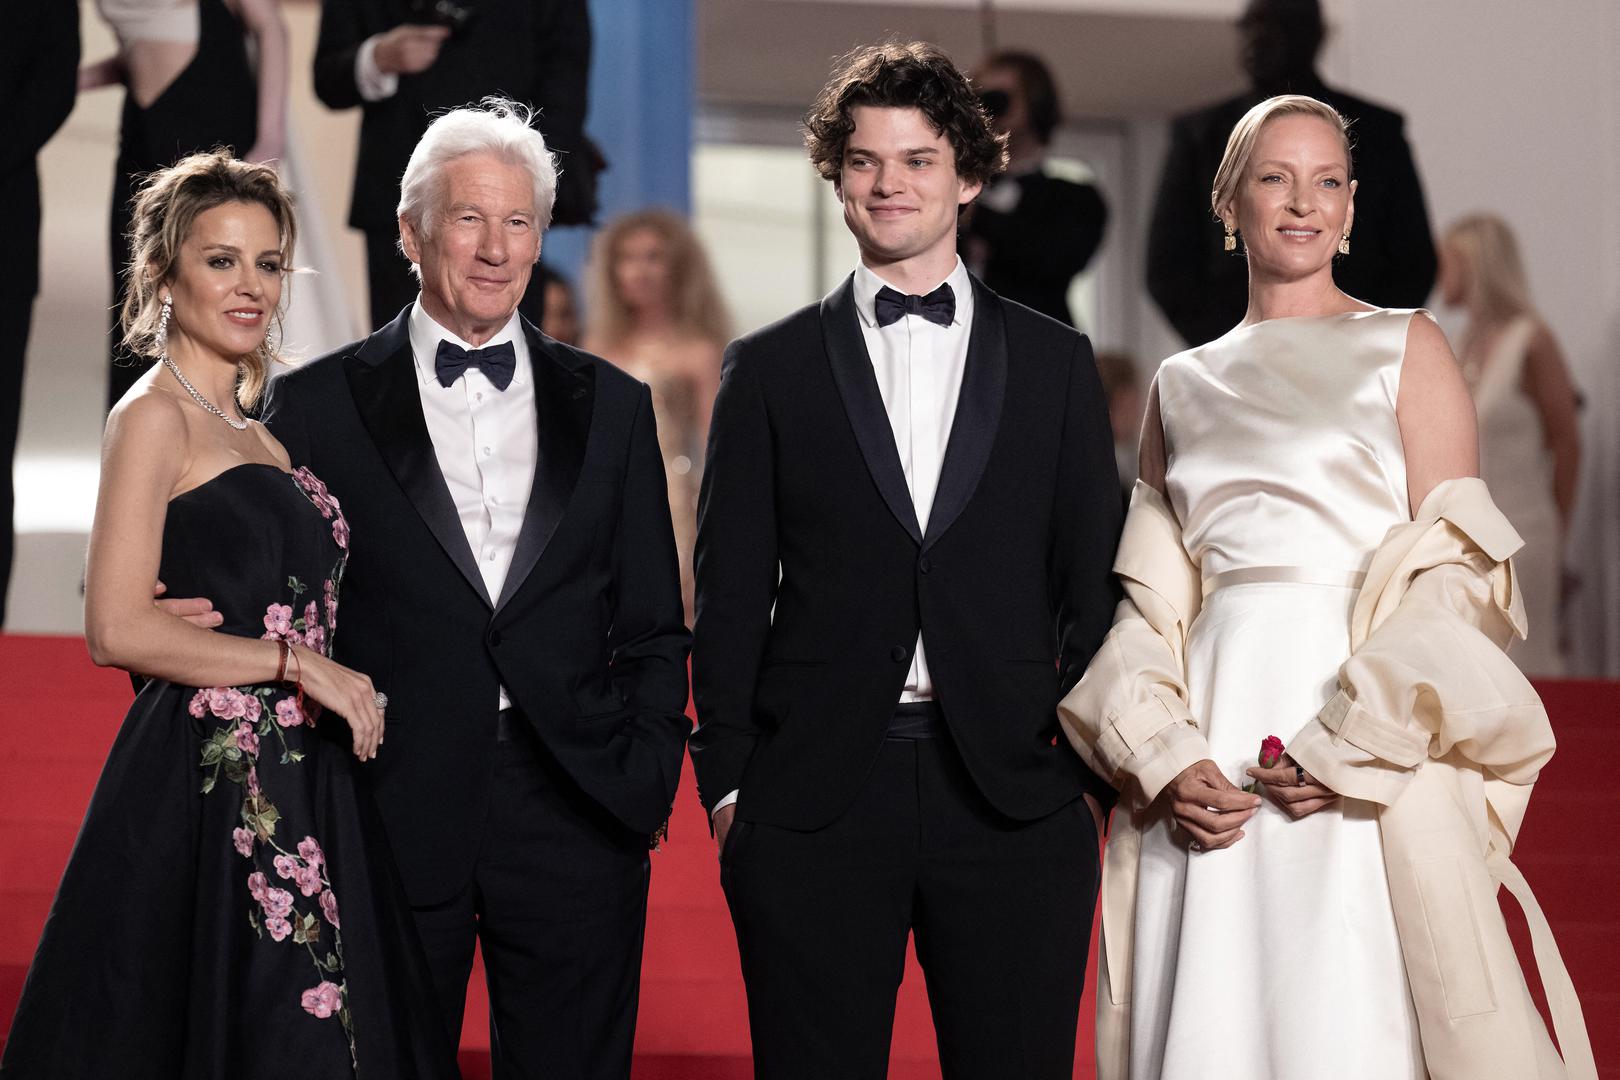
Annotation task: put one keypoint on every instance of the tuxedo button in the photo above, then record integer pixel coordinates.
(495, 638)
(924, 565)
(899, 653)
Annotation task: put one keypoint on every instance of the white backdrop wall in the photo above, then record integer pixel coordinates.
(1514, 107)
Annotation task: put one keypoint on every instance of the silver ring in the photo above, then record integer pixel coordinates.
(1299, 776)
(380, 699)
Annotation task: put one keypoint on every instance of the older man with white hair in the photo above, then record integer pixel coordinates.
(512, 587)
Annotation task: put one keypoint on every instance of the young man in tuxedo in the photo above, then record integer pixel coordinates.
(512, 587)
(905, 535)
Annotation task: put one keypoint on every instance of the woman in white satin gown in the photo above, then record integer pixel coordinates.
(1265, 944)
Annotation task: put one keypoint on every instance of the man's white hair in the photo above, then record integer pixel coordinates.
(497, 126)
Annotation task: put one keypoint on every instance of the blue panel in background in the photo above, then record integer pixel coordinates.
(641, 107)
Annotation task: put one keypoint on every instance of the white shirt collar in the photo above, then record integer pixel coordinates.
(426, 333)
(868, 283)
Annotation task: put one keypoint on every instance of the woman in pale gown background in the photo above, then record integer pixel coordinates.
(655, 312)
(1529, 434)
(1265, 943)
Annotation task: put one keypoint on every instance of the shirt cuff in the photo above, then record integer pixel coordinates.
(373, 83)
(723, 803)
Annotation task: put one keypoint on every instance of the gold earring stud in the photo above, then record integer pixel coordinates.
(1230, 243)
(1344, 244)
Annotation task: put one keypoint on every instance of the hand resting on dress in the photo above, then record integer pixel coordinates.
(1283, 787)
(1209, 806)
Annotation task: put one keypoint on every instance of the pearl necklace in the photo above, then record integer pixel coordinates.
(196, 395)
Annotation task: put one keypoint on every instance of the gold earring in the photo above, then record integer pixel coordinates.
(1230, 243)
(1344, 244)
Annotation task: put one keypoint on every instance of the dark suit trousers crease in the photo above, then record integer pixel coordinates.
(558, 901)
(16, 316)
(1001, 910)
(391, 284)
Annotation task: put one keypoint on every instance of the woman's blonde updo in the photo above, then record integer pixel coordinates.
(165, 209)
(1240, 144)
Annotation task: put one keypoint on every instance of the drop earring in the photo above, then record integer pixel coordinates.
(162, 334)
(1230, 243)
(1344, 244)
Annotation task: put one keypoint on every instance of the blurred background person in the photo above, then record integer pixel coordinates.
(1529, 434)
(1030, 234)
(188, 86)
(655, 311)
(404, 61)
(561, 310)
(1198, 283)
(1126, 405)
(39, 59)
(38, 65)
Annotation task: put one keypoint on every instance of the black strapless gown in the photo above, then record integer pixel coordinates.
(231, 910)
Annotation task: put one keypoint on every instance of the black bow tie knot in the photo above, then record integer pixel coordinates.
(938, 306)
(498, 362)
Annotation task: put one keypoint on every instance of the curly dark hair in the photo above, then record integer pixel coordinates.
(902, 75)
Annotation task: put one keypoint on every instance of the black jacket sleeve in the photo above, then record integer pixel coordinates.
(649, 643)
(1052, 233)
(737, 573)
(1087, 522)
(343, 30)
(40, 77)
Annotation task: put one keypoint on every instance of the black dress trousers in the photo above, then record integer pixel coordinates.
(1001, 910)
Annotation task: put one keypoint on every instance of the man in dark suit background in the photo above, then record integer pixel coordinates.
(512, 587)
(905, 535)
(1029, 234)
(404, 61)
(1202, 289)
(39, 67)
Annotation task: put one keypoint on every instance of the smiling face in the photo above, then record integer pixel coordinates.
(226, 281)
(480, 248)
(901, 191)
(1295, 200)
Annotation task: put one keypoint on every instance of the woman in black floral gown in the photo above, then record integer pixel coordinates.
(230, 909)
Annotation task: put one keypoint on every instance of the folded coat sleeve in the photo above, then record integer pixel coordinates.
(1128, 717)
(1429, 677)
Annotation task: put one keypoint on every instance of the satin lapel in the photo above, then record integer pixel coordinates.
(978, 413)
(382, 378)
(857, 385)
(563, 398)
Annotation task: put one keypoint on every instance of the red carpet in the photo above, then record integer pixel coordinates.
(58, 715)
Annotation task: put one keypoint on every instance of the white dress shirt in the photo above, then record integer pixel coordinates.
(485, 442)
(919, 366)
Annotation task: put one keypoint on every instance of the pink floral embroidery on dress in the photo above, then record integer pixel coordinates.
(254, 721)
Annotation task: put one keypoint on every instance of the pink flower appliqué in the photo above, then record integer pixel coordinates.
(308, 879)
(253, 780)
(286, 866)
(279, 928)
(315, 638)
(277, 903)
(199, 704)
(278, 620)
(259, 886)
(331, 601)
(340, 532)
(322, 1000)
(310, 851)
(243, 839)
(246, 740)
(329, 908)
(288, 714)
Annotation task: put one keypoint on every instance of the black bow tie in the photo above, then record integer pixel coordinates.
(498, 361)
(938, 306)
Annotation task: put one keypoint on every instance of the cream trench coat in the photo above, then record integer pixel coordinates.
(1432, 722)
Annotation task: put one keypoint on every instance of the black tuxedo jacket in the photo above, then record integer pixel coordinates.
(534, 51)
(587, 636)
(813, 578)
(1049, 237)
(1204, 290)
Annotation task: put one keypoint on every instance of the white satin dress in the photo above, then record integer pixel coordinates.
(1277, 957)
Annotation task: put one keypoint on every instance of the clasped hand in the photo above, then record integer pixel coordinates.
(1284, 787)
(1209, 806)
